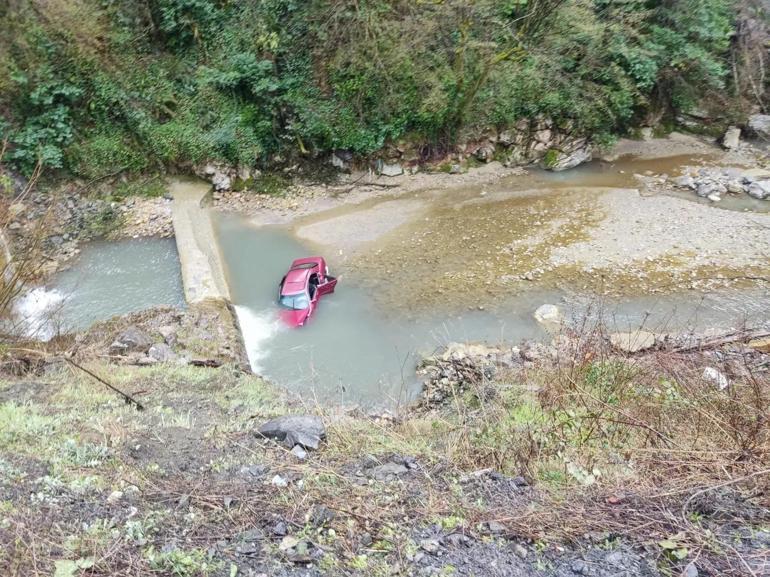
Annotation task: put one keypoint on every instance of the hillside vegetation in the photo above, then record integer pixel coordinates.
(103, 87)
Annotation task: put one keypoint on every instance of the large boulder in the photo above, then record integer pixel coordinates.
(548, 314)
(759, 189)
(389, 169)
(568, 157)
(485, 152)
(304, 430)
(732, 138)
(633, 342)
(759, 124)
(131, 340)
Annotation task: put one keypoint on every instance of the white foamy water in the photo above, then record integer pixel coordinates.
(36, 313)
(257, 329)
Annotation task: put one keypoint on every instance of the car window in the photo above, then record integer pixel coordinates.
(297, 302)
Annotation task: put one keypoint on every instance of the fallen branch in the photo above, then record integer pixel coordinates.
(714, 342)
(126, 397)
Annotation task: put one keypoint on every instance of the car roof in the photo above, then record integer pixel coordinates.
(295, 280)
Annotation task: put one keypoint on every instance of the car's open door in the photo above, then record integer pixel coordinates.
(327, 286)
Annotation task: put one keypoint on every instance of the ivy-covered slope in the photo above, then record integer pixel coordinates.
(101, 87)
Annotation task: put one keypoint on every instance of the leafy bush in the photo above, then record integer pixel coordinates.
(185, 81)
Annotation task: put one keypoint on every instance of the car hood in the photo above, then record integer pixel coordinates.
(294, 318)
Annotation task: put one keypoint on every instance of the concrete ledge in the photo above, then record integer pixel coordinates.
(201, 261)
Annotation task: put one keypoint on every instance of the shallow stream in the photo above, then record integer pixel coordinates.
(417, 271)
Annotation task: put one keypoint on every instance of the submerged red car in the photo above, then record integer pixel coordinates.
(307, 280)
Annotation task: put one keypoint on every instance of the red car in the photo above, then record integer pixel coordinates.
(299, 291)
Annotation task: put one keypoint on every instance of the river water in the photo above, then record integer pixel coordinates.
(107, 279)
(413, 276)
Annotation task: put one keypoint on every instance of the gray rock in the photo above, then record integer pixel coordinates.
(485, 153)
(299, 452)
(254, 471)
(548, 314)
(496, 527)
(133, 339)
(506, 138)
(221, 182)
(115, 497)
(455, 169)
(169, 334)
(759, 189)
(759, 124)
(388, 471)
(684, 181)
(391, 170)
(734, 187)
(430, 545)
(279, 481)
(321, 515)
(161, 352)
(647, 133)
(304, 430)
(708, 187)
(714, 197)
(341, 159)
(520, 550)
(633, 342)
(732, 138)
(567, 159)
(690, 571)
(280, 529)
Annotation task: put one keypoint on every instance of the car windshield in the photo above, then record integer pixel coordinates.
(298, 301)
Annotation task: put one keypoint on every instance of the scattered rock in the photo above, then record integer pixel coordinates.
(304, 430)
(685, 181)
(759, 189)
(431, 546)
(340, 159)
(161, 352)
(762, 345)
(133, 339)
(732, 138)
(496, 527)
(279, 481)
(734, 187)
(115, 497)
(708, 188)
(714, 197)
(566, 158)
(520, 550)
(690, 571)
(485, 153)
(321, 515)
(715, 377)
(455, 169)
(280, 529)
(647, 133)
(633, 342)
(299, 452)
(221, 182)
(254, 471)
(168, 333)
(548, 314)
(391, 170)
(388, 472)
(759, 124)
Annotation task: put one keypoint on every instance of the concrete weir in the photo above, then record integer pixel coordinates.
(203, 273)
